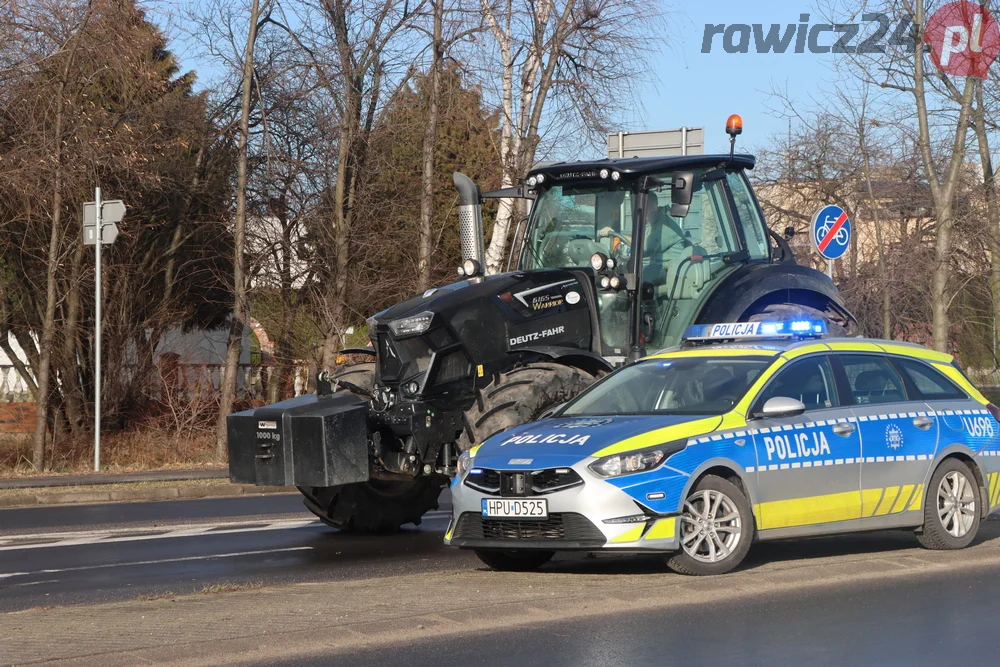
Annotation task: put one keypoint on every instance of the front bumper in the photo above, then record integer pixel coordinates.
(577, 521)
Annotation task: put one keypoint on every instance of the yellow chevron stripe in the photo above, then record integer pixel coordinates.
(630, 535)
(903, 500)
(870, 499)
(663, 529)
(918, 498)
(887, 501)
(995, 493)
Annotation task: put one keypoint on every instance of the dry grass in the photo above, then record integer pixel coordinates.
(229, 587)
(125, 451)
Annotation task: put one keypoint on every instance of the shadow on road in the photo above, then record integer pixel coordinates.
(882, 543)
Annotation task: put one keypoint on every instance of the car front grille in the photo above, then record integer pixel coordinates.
(531, 483)
(568, 526)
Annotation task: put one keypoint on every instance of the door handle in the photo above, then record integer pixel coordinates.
(923, 422)
(844, 428)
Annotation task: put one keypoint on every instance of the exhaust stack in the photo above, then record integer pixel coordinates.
(470, 219)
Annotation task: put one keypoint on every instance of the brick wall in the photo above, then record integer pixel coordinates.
(17, 417)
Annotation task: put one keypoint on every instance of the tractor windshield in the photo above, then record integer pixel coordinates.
(570, 223)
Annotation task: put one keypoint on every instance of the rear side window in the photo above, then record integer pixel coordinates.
(932, 385)
(872, 380)
(809, 380)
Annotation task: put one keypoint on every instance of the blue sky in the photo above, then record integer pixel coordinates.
(703, 89)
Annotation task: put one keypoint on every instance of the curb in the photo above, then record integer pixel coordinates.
(155, 493)
(91, 479)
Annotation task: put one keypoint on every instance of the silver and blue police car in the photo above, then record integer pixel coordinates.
(748, 431)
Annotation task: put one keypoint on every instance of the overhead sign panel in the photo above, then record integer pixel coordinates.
(657, 143)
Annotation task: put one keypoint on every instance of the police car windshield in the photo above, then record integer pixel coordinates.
(687, 385)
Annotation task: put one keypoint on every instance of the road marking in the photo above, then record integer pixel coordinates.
(120, 534)
(114, 535)
(156, 562)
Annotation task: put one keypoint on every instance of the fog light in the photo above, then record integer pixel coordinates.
(605, 282)
(411, 388)
(605, 173)
(532, 181)
(611, 262)
(541, 178)
(615, 176)
(615, 282)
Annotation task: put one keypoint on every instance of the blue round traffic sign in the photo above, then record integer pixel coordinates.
(831, 232)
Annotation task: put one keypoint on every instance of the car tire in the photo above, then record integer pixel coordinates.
(515, 561)
(947, 525)
(702, 538)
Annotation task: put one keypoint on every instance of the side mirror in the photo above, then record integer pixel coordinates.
(681, 190)
(551, 411)
(782, 406)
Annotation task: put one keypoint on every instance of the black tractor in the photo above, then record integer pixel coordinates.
(615, 260)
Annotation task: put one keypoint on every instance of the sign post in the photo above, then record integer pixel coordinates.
(831, 234)
(99, 228)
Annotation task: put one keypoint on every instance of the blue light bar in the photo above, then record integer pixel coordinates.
(756, 330)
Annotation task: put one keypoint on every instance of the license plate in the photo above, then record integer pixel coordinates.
(516, 509)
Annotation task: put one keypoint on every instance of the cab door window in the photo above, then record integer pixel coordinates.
(751, 220)
(931, 384)
(809, 380)
(872, 380)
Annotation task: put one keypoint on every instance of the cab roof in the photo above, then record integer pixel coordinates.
(773, 348)
(640, 166)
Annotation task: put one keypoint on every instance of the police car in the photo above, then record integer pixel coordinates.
(749, 431)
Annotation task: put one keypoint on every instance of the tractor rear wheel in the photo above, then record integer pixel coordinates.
(375, 505)
(518, 396)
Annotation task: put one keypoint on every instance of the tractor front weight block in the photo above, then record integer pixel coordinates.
(304, 441)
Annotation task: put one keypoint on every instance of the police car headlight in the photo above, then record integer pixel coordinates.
(641, 460)
(464, 463)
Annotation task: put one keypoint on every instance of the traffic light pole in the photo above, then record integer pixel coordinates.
(97, 335)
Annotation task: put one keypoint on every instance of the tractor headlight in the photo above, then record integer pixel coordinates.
(411, 326)
(598, 261)
(464, 463)
(640, 460)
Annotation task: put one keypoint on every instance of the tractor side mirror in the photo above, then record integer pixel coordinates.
(782, 406)
(681, 191)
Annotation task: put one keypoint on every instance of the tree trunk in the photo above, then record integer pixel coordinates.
(879, 241)
(52, 263)
(424, 248)
(992, 211)
(240, 306)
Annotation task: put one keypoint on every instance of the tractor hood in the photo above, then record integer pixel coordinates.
(477, 324)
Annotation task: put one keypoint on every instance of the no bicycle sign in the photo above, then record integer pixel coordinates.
(831, 232)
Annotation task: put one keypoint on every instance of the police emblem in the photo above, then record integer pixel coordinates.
(893, 436)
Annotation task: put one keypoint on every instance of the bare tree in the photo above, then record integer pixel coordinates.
(561, 63)
(241, 307)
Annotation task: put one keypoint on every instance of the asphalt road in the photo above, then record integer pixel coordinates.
(923, 620)
(121, 551)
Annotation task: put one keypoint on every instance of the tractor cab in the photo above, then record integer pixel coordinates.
(677, 226)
